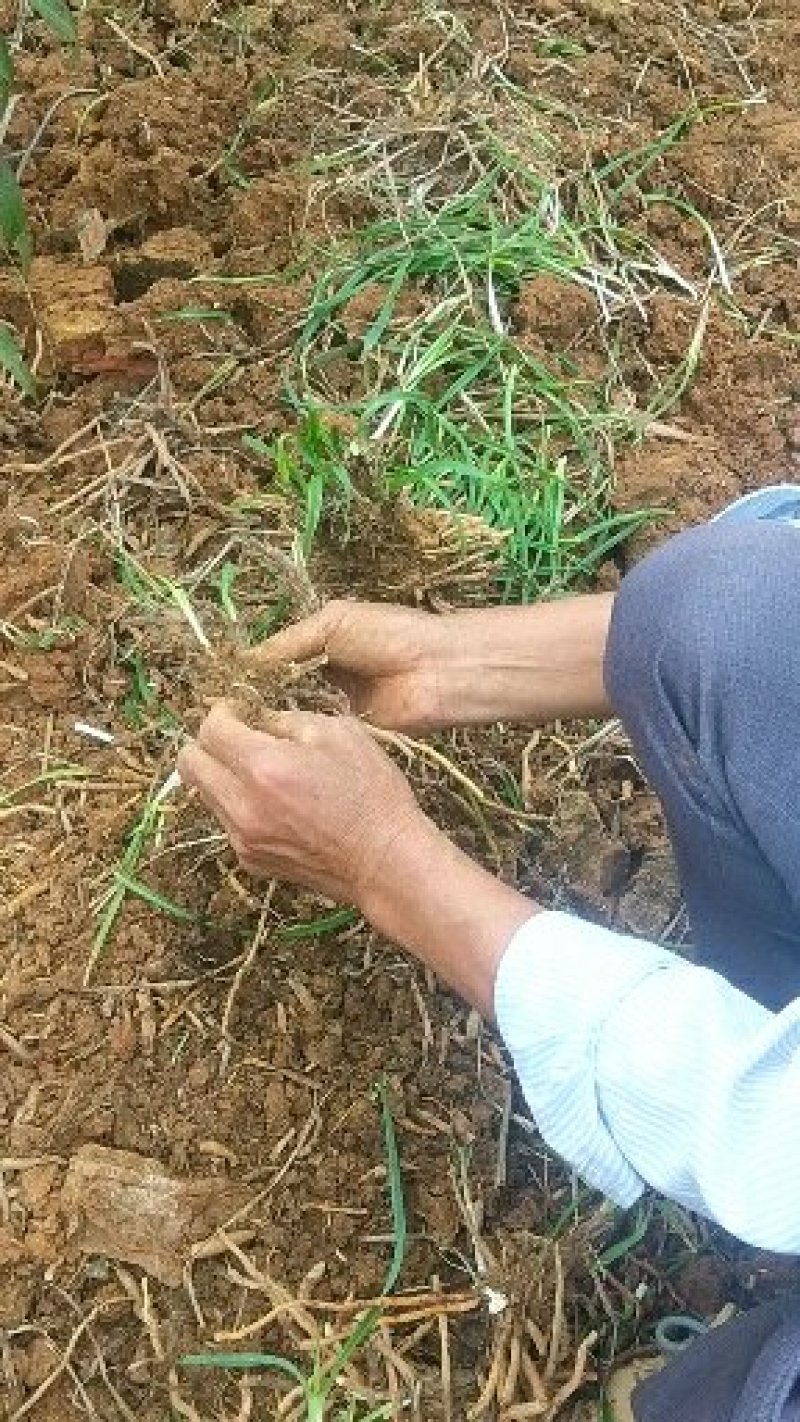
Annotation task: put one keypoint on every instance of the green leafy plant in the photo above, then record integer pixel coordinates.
(42, 639)
(311, 465)
(147, 587)
(227, 578)
(58, 18)
(126, 881)
(14, 229)
(6, 74)
(447, 399)
(13, 361)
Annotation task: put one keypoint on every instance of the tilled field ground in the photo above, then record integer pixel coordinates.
(191, 1151)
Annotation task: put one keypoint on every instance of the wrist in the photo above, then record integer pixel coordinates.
(531, 663)
(404, 846)
(451, 914)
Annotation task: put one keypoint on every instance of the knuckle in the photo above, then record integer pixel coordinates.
(245, 824)
(262, 770)
(336, 617)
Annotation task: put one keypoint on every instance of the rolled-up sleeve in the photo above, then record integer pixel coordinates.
(642, 1068)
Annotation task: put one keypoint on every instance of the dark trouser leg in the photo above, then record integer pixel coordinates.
(703, 667)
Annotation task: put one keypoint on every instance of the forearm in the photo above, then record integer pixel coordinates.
(526, 663)
(446, 910)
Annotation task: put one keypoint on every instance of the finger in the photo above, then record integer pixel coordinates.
(304, 727)
(217, 787)
(232, 743)
(301, 642)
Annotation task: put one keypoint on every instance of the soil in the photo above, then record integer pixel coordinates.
(235, 1057)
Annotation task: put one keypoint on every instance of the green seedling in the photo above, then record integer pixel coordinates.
(16, 238)
(269, 621)
(13, 361)
(631, 1241)
(15, 232)
(126, 880)
(6, 74)
(43, 640)
(319, 1387)
(141, 695)
(559, 47)
(219, 376)
(227, 578)
(198, 314)
(453, 409)
(318, 927)
(310, 464)
(265, 97)
(58, 18)
(145, 587)
(57, 775)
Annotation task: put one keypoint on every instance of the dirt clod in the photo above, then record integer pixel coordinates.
(127, 1207)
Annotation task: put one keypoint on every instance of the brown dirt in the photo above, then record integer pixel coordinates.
(253, 1067)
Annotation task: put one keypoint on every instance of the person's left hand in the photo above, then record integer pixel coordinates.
(313, 801)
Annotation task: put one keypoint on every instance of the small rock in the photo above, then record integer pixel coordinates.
(127, 1207)
(18, 1287)
(73, 306)
(652, 900)
(589, 861)
(37, 1361)
(92, 235)
(12, 1250)
(83, 330)
(181, 247)
(36, 1185)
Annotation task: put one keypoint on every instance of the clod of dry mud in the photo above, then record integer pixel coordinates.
(126, 1207)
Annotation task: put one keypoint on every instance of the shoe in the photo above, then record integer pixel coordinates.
(778, 503)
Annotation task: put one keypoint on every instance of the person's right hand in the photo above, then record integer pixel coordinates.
(388, 659)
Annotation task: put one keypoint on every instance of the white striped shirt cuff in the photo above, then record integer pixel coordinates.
(558, 982)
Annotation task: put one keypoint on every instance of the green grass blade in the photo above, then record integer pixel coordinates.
(639, 1229)
(6, 74)
(376, 331)
(318, 927)
(57, 775)
(244, 1361)
(58, 18)
(194, 313)
(361, 1333)
(396, 1196)
(15, 232)
(12, 360)
(105, 927)
(149, 896)
(227, 578)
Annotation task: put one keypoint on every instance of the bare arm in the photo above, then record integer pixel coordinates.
(318, 803)
(408, 669)
(637, 1065)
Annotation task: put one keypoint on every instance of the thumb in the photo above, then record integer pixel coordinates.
(299, 643)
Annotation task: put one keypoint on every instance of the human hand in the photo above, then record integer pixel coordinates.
(388, 659)
(314, 800)
(408, 670)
